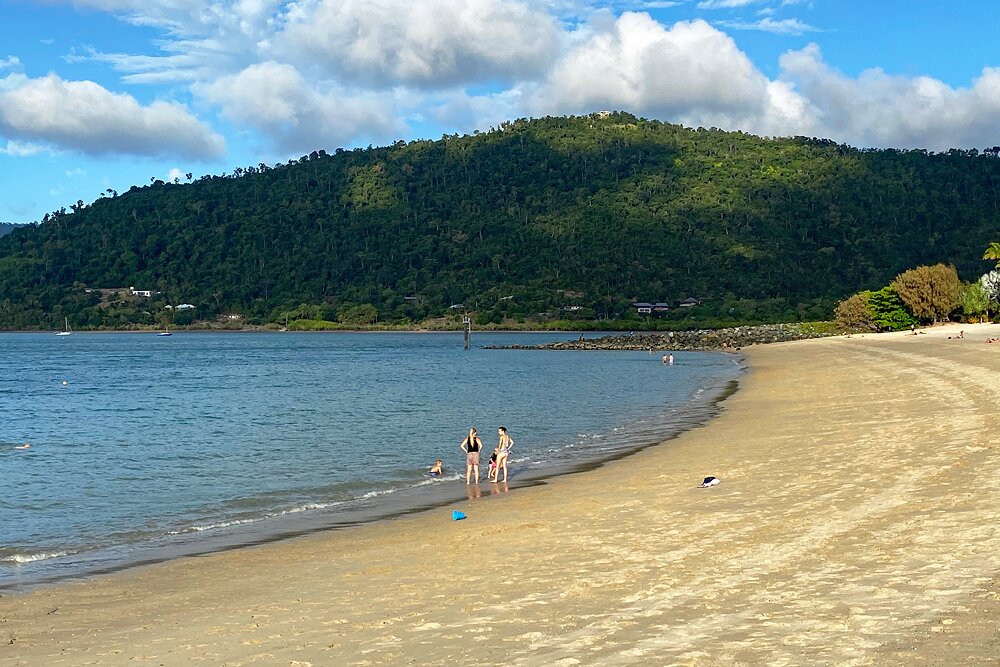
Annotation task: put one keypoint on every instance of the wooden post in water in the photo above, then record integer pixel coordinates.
(467, 321)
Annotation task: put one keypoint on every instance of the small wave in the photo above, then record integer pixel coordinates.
(211, 526)
(376, 493)
(21, 559)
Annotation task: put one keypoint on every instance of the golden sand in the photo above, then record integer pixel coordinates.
(856, 524)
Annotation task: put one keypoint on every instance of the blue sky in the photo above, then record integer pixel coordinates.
(98, 94)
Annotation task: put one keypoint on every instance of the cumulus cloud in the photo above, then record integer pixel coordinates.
(301, 74)
(275, 99)
(9, 62)
(880, 110)
(432, 43)
(86, 117)
(691, 73)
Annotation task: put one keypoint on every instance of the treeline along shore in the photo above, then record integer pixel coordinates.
(732, 338)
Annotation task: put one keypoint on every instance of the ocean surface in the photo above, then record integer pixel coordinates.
(145, 448)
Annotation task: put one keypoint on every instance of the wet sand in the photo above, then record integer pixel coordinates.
(856, 524)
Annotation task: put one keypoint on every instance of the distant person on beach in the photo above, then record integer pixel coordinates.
(471, 445)
(437, 469)
(504, 447)
(492, 474)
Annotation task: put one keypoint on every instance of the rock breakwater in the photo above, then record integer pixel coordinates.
(699, 339)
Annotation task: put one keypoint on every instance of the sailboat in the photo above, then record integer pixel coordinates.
(67, 331)
(165, 332)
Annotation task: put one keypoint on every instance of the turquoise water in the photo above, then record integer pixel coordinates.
(145, 448)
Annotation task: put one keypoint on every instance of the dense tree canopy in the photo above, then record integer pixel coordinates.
(556, 215)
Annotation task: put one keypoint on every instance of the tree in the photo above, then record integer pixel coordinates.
(993, 252)
(888, 312)
(930, 292)
(974, 300)
(363, 314)
(990, 283)
(852, 313)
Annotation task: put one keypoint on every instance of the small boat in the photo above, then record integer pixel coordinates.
(67, 331)
(164, 333)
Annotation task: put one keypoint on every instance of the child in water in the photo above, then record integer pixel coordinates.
(437, 469)
(492, 476)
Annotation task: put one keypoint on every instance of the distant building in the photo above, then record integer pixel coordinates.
(661, 307)
(456, 306)
(689, 302)
(185, 306)
(643, 307)
(141, 292)
(572, 309)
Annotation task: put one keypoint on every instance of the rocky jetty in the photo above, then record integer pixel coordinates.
(699, 339)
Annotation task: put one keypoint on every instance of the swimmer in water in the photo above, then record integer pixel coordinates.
(437, 469)
(24, 446)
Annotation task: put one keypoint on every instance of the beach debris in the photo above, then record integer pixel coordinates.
(709, 481)
(457, 516)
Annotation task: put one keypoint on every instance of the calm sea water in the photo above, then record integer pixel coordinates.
(145, 448)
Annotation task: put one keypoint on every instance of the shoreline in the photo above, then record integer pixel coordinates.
(418, 498)
(848, 529)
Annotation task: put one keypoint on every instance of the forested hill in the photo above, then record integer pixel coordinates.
(6, 228)
(533, 217)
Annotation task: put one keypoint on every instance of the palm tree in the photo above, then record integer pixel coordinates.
(993, 252)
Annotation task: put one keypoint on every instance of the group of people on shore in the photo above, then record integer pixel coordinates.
(472, 445)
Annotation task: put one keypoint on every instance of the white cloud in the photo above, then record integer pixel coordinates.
(781, 27)
(432, 43)
(21, 149)
(175, 174)
(76, 171)
(305, 74)
(692, 74)
(9, 62)
(880, 110)
(86, 117)
(727, 4)
(275, 99)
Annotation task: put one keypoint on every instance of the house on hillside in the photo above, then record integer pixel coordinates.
(141, 292)
(643, 307)
(689, 302)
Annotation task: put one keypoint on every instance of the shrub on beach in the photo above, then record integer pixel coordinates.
(888, 312)
(852, 314)
(930, 292)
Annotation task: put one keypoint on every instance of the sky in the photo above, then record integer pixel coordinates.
(106, 94)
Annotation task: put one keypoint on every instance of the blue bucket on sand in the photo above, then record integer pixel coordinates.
(457, 516)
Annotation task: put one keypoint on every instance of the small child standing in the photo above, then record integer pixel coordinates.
(492, 476)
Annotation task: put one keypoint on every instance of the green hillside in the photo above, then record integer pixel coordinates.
(7, 228)
(529, 218)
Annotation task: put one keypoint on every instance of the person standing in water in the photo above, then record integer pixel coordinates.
(471, 446)
(503, 452)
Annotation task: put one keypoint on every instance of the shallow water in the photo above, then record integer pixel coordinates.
(146, 447)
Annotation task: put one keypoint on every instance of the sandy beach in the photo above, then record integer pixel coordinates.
(856, 524)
